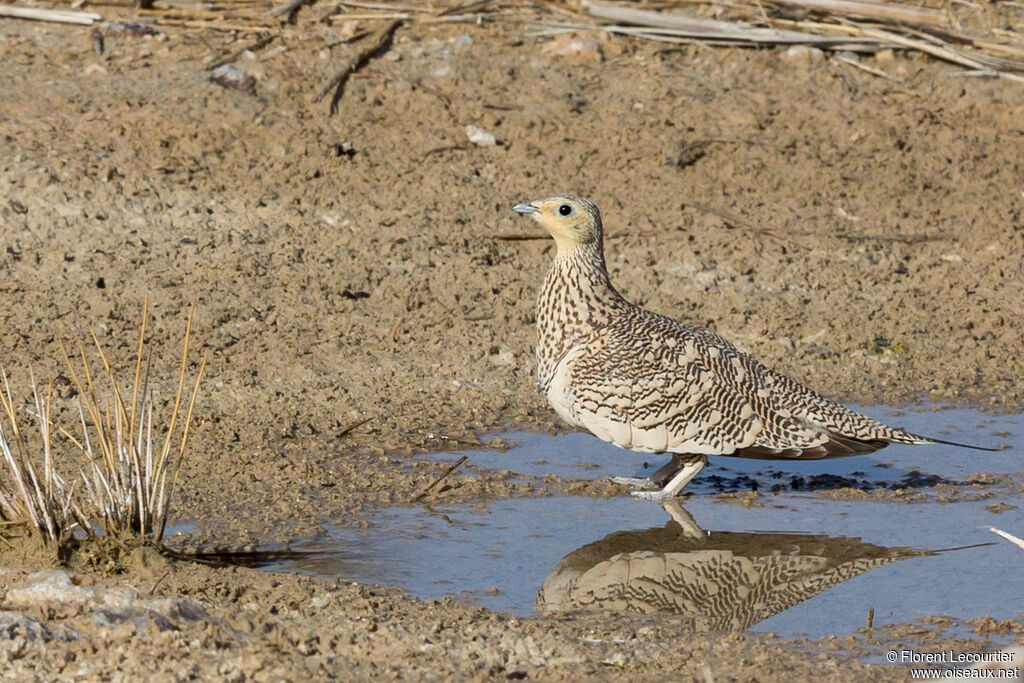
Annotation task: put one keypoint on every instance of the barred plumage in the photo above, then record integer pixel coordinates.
(645, 382)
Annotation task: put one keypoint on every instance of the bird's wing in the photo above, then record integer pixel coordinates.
(796, 421)
(683, 389)
(668, 391)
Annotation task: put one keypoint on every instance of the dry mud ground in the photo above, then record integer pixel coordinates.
(871, 247)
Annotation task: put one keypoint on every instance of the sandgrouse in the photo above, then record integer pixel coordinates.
(645, 382)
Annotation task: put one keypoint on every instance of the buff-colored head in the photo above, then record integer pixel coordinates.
(572, 221)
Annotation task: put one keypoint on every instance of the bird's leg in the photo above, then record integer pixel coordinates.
(656, 480)
(691, 467)
(684, 519)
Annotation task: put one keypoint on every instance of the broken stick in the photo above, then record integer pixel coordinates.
(339, 79)
(258, 45)
(437, 481)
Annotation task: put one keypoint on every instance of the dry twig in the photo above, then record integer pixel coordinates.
(337, 82)
(458, 463)
(875, 72)
(262, 42)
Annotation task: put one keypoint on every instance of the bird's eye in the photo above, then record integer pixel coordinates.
(564, 210)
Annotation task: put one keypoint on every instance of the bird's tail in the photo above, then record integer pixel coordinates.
(918, 440)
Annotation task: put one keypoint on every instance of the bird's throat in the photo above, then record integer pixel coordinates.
(577, 299)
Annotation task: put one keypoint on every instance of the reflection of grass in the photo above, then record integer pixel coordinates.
(126, 469)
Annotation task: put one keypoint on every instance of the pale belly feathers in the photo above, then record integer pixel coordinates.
(614, 424)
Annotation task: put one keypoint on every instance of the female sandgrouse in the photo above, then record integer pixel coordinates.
(647, 383)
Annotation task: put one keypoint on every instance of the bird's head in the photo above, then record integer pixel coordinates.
(572, 221)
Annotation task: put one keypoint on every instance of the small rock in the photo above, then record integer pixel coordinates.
(618, 659)
(575, 46)
(178, 609)
(479, 136)
(164, 613)
(121, 596)
(349, 29)
(502, 358)
(342, 148)
(47, 587)
(463, 41)
(787, 344)
(230, 76)
(141, 618)
(803, 53)
(15, 625)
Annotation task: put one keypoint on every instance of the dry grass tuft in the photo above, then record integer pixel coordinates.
(127, 464)
(39, 498)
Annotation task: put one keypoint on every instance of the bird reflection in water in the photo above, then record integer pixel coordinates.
(724, 581)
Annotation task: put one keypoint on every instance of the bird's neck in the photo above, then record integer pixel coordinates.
(577, 299)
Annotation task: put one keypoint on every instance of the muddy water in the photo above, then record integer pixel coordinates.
(799, 563)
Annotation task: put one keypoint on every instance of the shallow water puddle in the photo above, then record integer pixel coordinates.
(800, 564)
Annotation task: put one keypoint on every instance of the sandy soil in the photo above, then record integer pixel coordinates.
(871, 248)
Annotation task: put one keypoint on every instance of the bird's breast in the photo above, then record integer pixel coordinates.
(560, 394)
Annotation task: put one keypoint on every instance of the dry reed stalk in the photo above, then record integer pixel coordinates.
(219, 26)
(195, 14)
(368, 17)
(678, 25)
(910, 28)
(877, 11)
(936, 48)
(53, 15)
(386, 7)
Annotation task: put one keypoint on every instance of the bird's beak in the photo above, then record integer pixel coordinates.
(525, 208)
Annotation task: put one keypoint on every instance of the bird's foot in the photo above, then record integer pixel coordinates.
(659, 495)
(643, 484)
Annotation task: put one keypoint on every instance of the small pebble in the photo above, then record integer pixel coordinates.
(229, 76)
(479, 136)
(803, 53)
